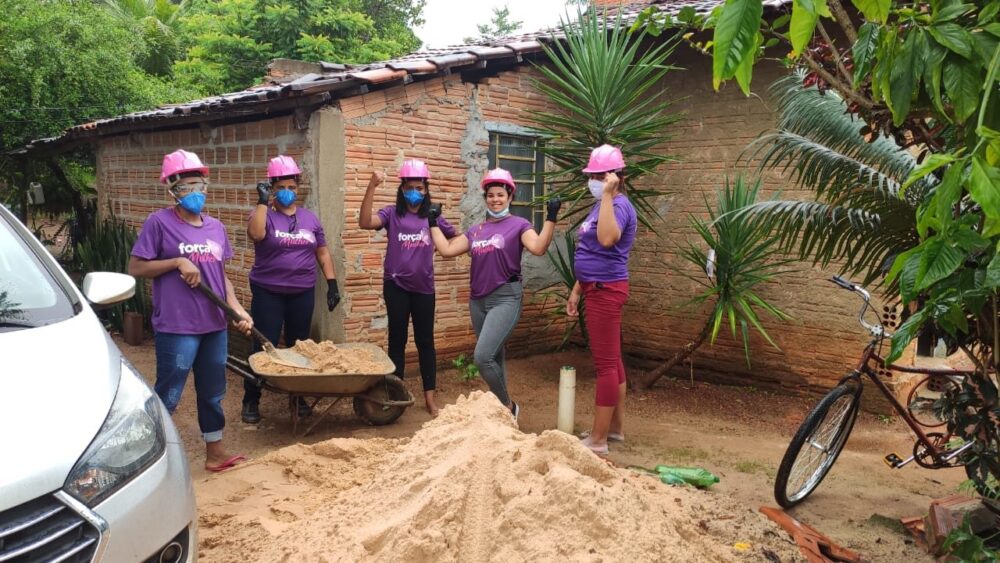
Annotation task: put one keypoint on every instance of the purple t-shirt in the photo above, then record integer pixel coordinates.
(285, 259)
(495, 247)
(594, 263)
(177, 308)
(409, 256)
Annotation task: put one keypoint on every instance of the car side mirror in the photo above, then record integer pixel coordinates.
(105, 289)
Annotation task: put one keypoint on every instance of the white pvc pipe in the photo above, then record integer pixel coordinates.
(567, 398)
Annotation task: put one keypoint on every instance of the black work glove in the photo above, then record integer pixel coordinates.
(552, 208)
(332, 294)
(263, 193)
(432, 215)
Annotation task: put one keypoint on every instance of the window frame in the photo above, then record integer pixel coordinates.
(538, 186)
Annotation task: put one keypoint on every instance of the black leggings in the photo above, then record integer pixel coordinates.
(400, 305)
(270, 312)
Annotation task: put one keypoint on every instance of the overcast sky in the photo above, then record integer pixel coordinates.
(448, 21)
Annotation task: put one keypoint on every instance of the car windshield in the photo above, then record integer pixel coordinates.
(29, 296)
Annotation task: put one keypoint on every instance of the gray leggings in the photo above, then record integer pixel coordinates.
(493, 318)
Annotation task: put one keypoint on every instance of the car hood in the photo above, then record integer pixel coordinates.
(56, 387)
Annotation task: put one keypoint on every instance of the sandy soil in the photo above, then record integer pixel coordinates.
(738, 433)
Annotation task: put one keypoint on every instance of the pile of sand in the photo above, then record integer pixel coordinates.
(468, 486)
(328, 358)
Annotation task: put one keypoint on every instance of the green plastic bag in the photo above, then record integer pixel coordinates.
(696, 476)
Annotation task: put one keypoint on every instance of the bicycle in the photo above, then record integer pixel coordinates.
(826, 428)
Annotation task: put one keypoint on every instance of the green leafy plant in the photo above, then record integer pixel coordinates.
(963, 545)
(856, 219)
(746, 256)
(603, 82)
(925, 74)
(564, 263)
(467, 369)
(107, 249)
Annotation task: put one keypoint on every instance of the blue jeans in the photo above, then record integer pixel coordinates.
(176, 356)
(271, 312)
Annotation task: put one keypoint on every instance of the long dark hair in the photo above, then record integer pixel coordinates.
(401, 206)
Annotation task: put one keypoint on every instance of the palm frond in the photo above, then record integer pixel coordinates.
(603, 81)
(856, 216)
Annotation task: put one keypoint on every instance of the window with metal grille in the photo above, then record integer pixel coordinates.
(519, 155)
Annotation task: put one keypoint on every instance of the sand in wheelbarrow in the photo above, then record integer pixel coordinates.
(327, 358)
(468, 486)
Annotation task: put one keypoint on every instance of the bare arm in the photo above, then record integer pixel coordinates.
(257, 227)
(325, 263)
(231, 300)
(573, 301)
(150, 269)
(608, 231)
(537, 243)
(367, 219)
(449, 248)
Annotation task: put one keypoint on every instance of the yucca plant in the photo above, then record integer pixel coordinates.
(745, 256)
(603, 81)
(565, 264)
(856, 218)
(107, 249)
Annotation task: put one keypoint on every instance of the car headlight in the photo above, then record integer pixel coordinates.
(130, 440)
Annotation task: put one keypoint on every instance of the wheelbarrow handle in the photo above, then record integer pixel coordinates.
(233, 314)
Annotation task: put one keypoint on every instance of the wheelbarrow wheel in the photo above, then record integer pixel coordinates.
(369, 405)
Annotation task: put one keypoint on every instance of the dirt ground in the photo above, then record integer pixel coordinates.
(738, 433)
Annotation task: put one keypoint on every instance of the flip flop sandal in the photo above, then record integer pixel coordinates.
(612, 436)
(599, 450)
(228, 464)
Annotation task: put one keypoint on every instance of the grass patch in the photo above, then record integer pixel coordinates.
(752, 466)
(682, 454)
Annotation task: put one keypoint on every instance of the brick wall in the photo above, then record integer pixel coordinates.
(440, 121)
(128, 173)
(443, 121)
(822, 340)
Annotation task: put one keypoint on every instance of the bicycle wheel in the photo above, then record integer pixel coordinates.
(816, 445)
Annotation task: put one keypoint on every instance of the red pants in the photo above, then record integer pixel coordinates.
(604, 302)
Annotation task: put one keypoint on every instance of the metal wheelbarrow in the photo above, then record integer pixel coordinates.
(379, 398)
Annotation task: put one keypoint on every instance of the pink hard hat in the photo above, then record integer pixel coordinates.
(414, 169)
(605, 158)
(498, 176)
(282, 166)
(178, 162)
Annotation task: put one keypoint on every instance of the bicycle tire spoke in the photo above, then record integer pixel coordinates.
(819, 449)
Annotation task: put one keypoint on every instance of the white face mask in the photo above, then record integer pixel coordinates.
(498, 214)
(596, 188)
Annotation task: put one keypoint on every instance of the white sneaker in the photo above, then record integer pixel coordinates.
(612, 436)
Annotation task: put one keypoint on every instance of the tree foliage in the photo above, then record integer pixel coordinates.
(925, 74)
(228, 43)
(499, 26)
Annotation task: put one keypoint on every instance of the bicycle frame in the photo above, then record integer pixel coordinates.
(871, 362)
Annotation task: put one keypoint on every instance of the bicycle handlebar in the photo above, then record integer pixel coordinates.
(876, 330)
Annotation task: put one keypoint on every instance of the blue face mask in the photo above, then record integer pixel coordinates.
(413, 197)
(285, 197)
(498, 214)
(193, 202)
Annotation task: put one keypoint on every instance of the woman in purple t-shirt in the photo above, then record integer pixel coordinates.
(179, 248)
(288, 243)
(601, 264)
(408, 271)
(495, 276)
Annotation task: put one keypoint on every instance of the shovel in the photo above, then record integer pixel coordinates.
(284, 357)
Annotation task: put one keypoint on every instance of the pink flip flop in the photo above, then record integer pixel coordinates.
(228, 464)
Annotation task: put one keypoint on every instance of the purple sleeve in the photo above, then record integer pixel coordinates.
(320, 235)
(147, 244)
(227, 248)
(622, 217)
(525, 226)
(384, 214)
(446, 228)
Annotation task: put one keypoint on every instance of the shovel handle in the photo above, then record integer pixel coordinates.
(207, 291)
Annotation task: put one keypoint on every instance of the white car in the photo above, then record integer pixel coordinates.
(91, 466)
